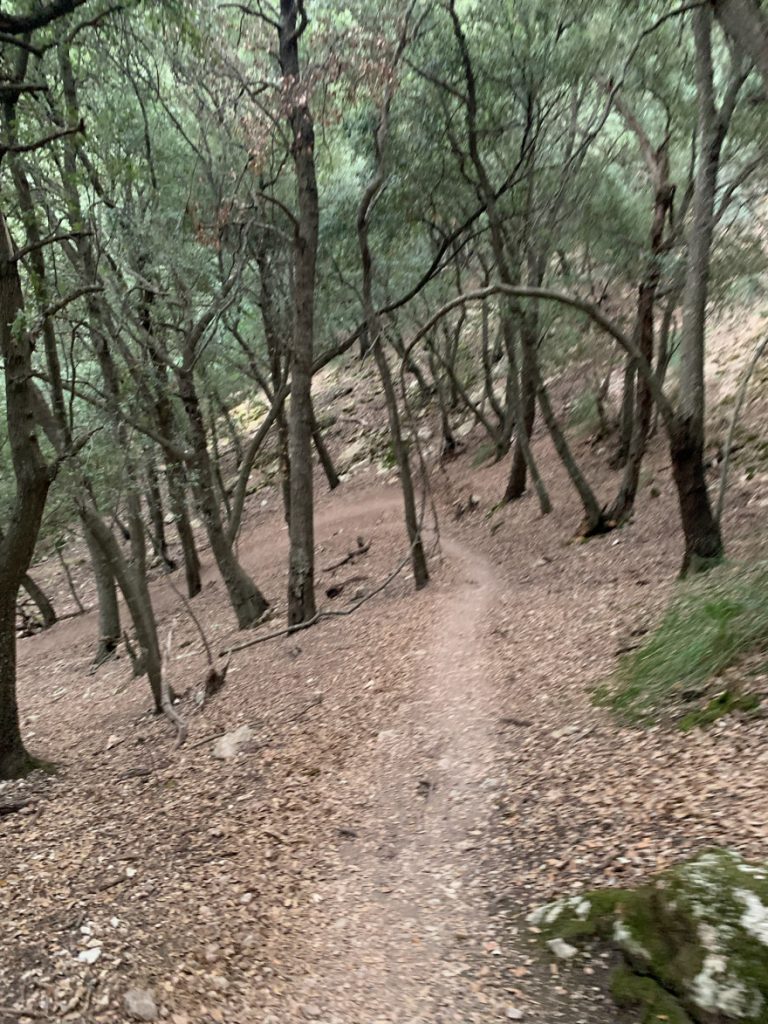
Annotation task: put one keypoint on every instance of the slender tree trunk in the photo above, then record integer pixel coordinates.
(503, 263)
(177, 498)
(626, 415)
(68, 576)
(400, 449)
(44, 606)
(622, 506)
(301, 529)
(248, 603)
(372, 190)
(106, 594)
(324, 455)
(594, 521)
(703, 540)
(156, 516)
(132, 583)
(33, 478)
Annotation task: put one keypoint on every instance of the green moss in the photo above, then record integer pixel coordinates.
(631, 990)
(698, 933)
(723, 704)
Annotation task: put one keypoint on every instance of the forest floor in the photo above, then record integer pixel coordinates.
(420, 775)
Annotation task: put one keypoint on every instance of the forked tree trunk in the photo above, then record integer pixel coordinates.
(132, 583)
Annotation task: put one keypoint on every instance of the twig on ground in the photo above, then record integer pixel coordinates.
(332, 614)
(362, 548)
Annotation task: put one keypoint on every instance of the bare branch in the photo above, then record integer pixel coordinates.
(34, 246)
(29, 147)
(20, 24)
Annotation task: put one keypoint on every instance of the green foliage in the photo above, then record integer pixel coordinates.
(711, 624)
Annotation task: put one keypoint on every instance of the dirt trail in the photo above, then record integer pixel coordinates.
(405, 933)
(366, 860)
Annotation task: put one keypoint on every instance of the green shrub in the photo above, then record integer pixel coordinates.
(711, 624)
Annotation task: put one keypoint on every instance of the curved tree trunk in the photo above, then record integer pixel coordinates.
(33, 479)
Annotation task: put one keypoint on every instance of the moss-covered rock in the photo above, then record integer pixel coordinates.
(698, 933)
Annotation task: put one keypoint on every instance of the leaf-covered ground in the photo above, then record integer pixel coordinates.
(419, 776)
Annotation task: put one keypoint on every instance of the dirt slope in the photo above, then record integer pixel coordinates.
(420, 775)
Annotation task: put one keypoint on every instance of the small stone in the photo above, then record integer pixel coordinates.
(229, 746)
(514, 1014)
(90, 956)
(140, 1004)
(562, 949)
(311, 1012)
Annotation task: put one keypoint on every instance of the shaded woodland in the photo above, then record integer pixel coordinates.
(204, 206)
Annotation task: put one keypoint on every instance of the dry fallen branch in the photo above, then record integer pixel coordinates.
(334, 613)
(362, 548)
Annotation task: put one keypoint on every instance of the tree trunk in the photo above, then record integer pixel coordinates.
(400, 449)
(106, 593)
(703, 541)
(248, 603)
(33, 479)
(626, 416)
(14, 759)
(594, 521)
(301, 528)
(174, 475)
(324, 455)
(132, 583)
(156, 517)
(42, 603)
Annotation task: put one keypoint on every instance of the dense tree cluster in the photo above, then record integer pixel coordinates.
(204, 204)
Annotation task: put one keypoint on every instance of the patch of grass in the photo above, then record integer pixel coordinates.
(723, 704)
(711, 624)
